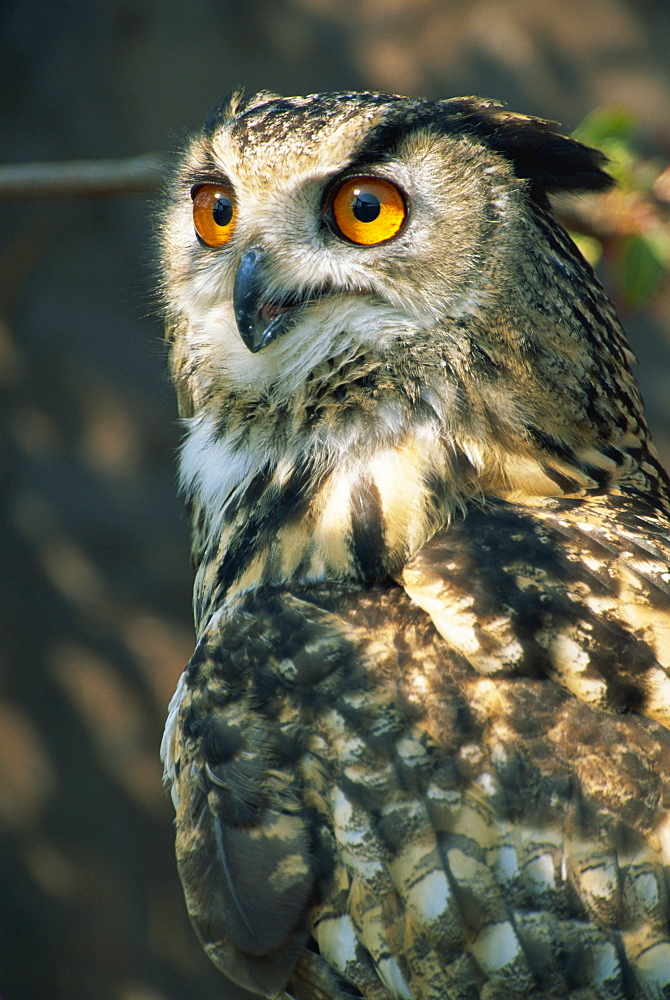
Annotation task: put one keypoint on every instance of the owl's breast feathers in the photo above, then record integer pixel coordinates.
(422, 748)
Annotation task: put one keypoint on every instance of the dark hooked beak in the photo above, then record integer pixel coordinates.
(259, 319)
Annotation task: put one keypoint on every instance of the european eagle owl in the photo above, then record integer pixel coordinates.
(421, 749)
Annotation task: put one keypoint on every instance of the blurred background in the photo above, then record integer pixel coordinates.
(95, 579)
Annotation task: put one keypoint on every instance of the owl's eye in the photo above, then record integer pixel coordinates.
(367, 210)
(213, 213)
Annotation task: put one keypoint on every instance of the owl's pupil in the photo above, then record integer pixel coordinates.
(222, 211)
(365, 206)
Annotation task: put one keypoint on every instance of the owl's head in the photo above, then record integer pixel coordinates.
(303, 228)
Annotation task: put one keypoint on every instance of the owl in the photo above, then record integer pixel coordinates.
(421, 750)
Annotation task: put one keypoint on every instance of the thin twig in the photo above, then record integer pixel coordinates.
(82, 178)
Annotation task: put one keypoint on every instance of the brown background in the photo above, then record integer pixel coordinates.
(94, 573)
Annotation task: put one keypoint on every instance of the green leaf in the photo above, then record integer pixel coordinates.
(612, 130)
(605, 124)
(640, 271)
(589, 247)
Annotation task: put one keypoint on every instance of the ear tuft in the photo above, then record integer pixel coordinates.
(550, 161)
(233, 105)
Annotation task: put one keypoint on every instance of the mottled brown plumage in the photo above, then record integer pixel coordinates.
(421, 750)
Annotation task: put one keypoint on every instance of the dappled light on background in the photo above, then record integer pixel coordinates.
(27, 778)
(110, 442)
(117, 722)
(162, 649)
(52, 872)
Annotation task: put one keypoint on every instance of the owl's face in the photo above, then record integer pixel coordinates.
(347, 270)
(306, 227)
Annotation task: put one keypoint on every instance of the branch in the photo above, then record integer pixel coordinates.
(82, 178)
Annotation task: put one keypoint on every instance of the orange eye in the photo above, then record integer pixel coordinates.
(368, 210)
(213, 214)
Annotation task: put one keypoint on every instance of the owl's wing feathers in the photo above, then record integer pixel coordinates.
(244, 846)
(578, 590)
(422, 802)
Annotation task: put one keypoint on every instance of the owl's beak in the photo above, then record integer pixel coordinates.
(260, 319)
